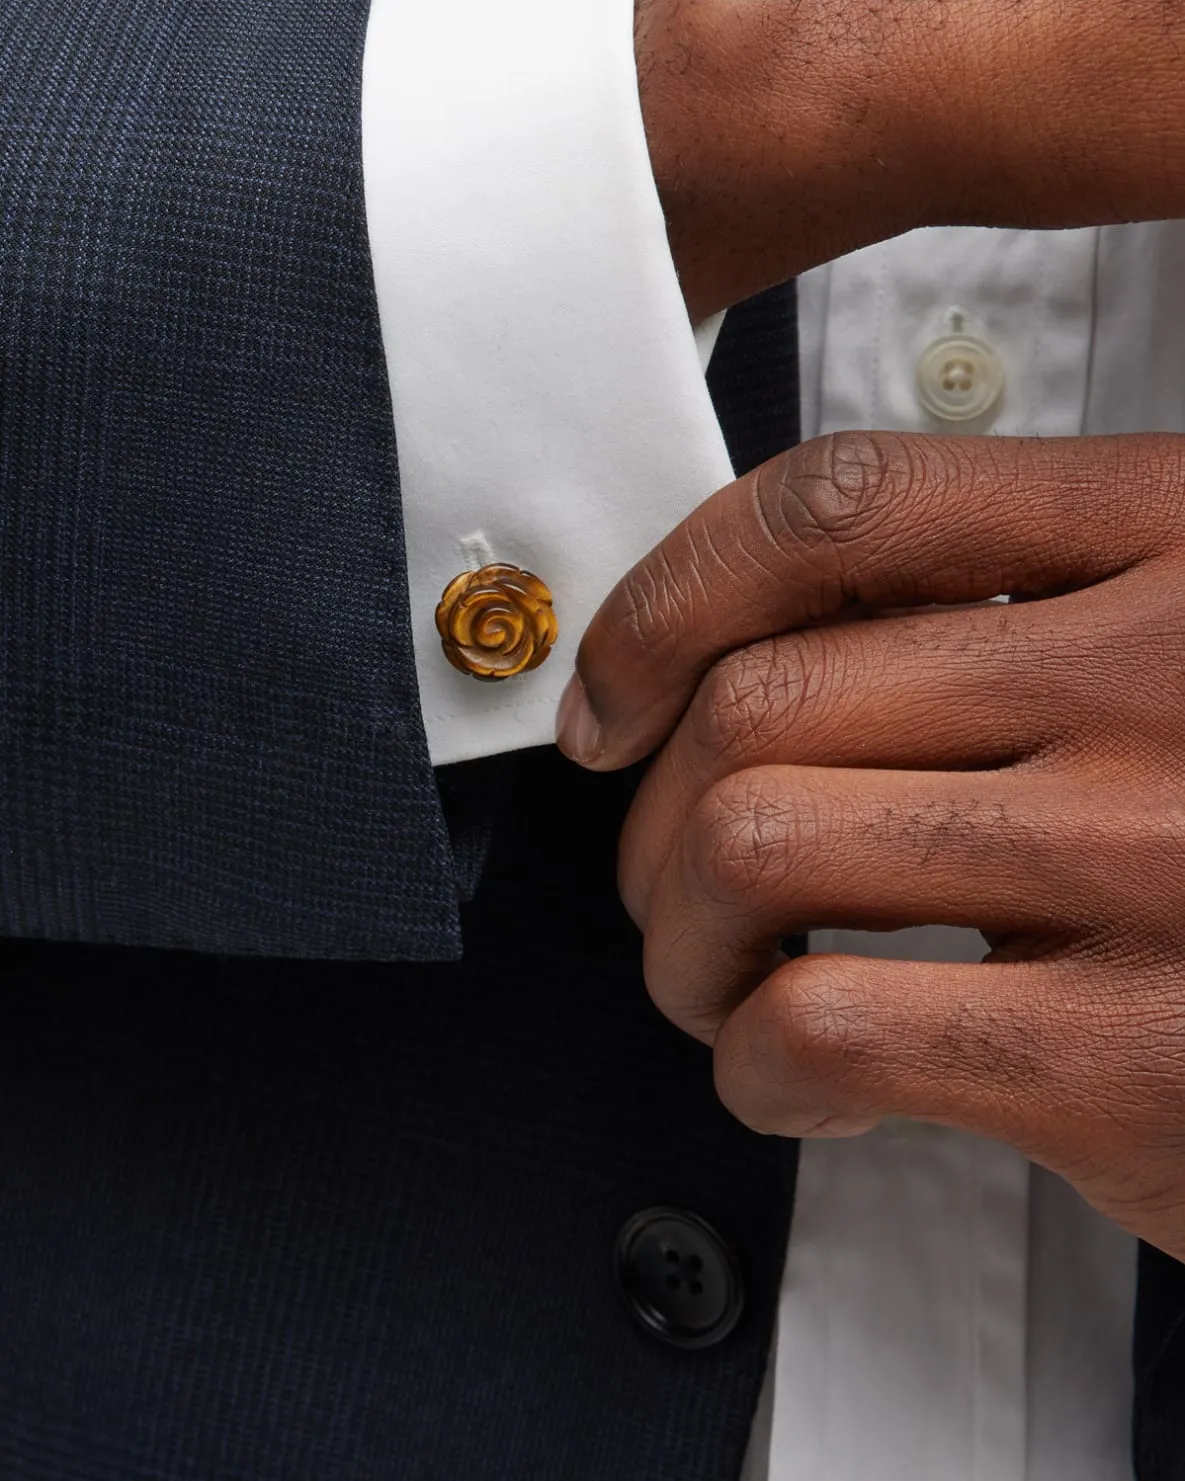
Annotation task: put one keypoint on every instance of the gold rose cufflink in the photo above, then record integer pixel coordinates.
(496, 622)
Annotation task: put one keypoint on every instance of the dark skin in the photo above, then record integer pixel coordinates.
(1017, 768)
(786, 132)
(846, 733)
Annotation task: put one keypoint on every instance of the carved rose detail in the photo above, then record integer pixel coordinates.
(496, 622)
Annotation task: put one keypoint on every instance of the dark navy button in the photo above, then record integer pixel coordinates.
(681, 1280)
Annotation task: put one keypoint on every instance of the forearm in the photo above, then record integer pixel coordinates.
(785, 134)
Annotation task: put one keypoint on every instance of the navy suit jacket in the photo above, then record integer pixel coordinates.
(288, 1188)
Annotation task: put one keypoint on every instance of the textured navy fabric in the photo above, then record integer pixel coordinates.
(753, 377)
(300, 1221)
(210, 734)
(1158, 1428)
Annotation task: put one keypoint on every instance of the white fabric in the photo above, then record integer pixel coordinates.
(1028, 295)
(902, 1326)
(947, 1309)
(547, 389)
(948, 1313)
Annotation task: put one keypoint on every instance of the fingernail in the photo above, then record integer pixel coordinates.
(576, 730)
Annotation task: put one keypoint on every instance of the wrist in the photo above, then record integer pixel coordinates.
(783, 136)
(775, 145)
(1047, 115)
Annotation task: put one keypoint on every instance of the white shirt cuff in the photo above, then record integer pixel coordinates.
(549, 399)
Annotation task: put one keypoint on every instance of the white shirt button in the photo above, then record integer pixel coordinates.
(959, 378)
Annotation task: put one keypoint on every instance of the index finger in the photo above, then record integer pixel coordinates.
(867, 518)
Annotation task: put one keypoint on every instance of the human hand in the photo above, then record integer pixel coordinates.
(1016, 768)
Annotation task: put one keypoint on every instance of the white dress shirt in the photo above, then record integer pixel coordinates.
(948, 1313)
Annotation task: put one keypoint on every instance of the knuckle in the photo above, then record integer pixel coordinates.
(823, 1030)
(745, 839)
(721, 842)
(740, 708)
(729, 705)
(836, 489)
(855, 505)
(752, 700)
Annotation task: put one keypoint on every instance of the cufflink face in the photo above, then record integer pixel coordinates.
(496, 622)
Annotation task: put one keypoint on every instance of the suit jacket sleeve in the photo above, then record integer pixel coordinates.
(210, 735)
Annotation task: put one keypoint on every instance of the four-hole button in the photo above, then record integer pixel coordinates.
(680, 1279)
